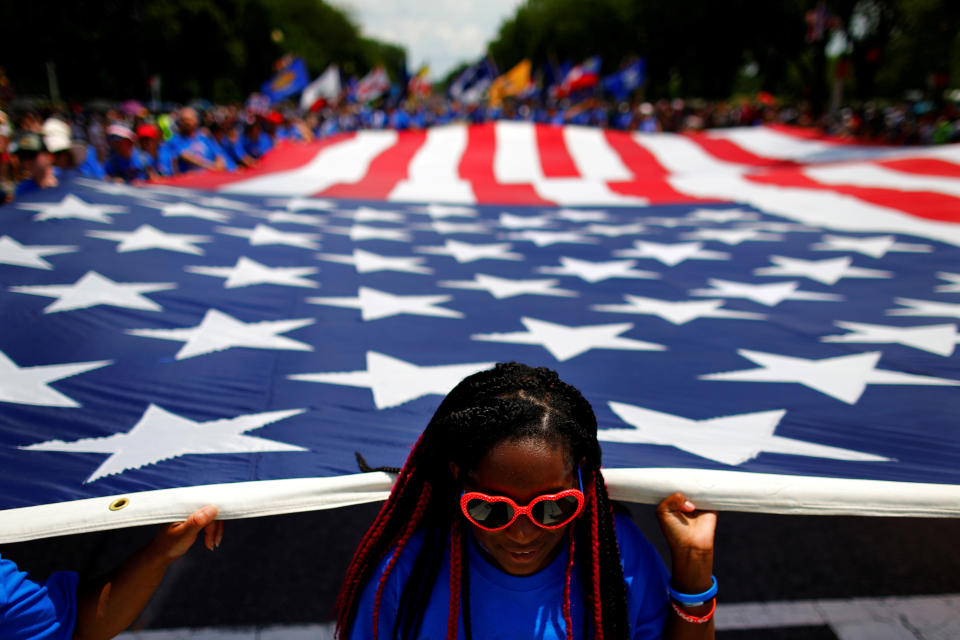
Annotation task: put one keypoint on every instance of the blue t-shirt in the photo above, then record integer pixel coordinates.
(32, 610)
(127, 169)
(522, 607)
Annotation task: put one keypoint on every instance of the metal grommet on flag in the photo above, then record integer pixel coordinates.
(119, 503)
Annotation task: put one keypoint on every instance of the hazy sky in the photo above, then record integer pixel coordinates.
(435, 33)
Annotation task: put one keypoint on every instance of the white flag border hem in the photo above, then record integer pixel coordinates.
(707, 488)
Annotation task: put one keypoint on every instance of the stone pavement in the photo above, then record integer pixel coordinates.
(900, 618)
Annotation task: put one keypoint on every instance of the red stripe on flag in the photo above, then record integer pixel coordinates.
(385, 171)
(924, 166)
(476, 165)
(729, 151)
(922, 204)
(555, 160)
(283, 157)
(650, 178)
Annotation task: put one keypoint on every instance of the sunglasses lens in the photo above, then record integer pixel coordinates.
(551, 513)
(489, 514)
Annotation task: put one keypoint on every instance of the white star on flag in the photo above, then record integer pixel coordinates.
(73, 207)
(565, 342)
(161, 435)
(31, 385)
(187, 210)
(93, 289)
(733, 236)
(467, 252)
(119, 189)
(146, 237)
(925, 308)
(303, 204)
(776, 227)
(547, 238)
(729, 440)
(875, 247)
(360, 232)
(661, 221)
(828, 271)
(248, 272)
(290, 217)
(592, 272)
(582, 215)
(952, 278)
(501, 288)
(369, 214)
(842, 377)
(21, 255)
(445, 211)
(722, 215)
(676, 311)
(218, 331)
(265, 235)
(368, 262)
(940, 339)
(394, 382)
(767, 294)
(374, 304)
(614, 230)
(671, 254)
(225, 203)
(511, 221)
(444, 228)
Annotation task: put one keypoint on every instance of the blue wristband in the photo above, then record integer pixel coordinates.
(694, 598)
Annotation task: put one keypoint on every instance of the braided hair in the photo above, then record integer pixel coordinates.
(507, 403)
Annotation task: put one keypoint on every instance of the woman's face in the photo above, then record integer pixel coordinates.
(522, 470)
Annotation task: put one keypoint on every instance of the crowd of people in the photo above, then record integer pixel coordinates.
(139, 144)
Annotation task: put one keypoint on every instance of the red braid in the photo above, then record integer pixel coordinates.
(353, 581)
(401, 543)
(595, 568)
(453, 618)
(567, 617)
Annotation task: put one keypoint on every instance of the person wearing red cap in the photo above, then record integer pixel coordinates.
(154, 155)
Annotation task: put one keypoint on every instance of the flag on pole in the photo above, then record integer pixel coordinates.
(627, 80)
(470, 85)
(326, 88)
(582, 76)
(513, 82)
(419, 84)
(372, 86)
(289, 80)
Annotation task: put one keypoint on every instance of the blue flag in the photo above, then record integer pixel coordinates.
(289, 80)
(624, 82)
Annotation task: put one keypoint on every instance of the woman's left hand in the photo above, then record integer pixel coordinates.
(689, 532)
(686, 527)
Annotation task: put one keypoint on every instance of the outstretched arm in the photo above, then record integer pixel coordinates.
(106, 608)
(689, 533)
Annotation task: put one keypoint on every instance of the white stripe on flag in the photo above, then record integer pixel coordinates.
(768, 143)
(814, 207)
(863, 174)
(593, 155)
(681, 155)
(516, 159)
(347, 161)
(433, 171)
(578, 191)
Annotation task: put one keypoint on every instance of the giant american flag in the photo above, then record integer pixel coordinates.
(762, 318)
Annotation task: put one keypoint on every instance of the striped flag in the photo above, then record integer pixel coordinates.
(763, 319)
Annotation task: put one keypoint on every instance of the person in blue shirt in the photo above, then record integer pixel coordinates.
(499, 526)
(124, 164)
(61, 608)
(192, 148)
